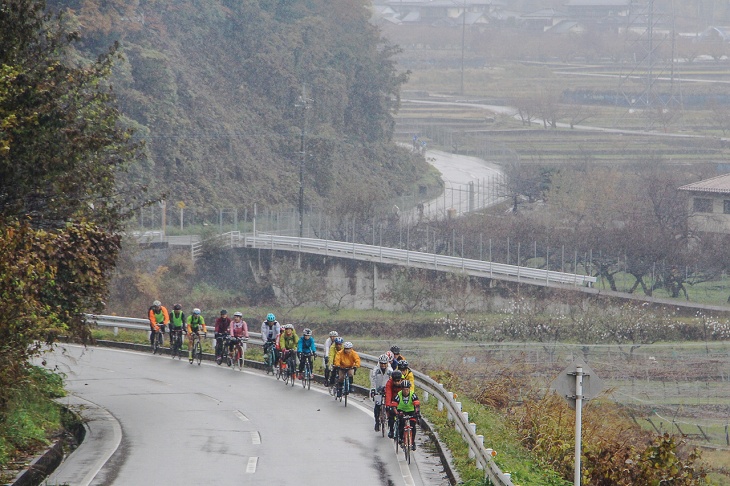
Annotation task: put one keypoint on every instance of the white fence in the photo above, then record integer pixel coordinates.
(358, 251)
(481, 455)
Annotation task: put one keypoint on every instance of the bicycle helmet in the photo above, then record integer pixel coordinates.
(348, 345)
(395, 349)
(339, 340)
(177, 307)
(156, 303)
(390, 355)
(405, 384)
(402, 364)
(270, 317)
(333, 334)
(396, 375)
(237, 314)
(288, 326)
(224, 312)
(383, 359)
(307, 332)
(196, 311)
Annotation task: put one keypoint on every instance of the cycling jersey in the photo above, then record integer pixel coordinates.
(390, 392)
(222, 324)
(408, 375)
(379, 378)
(158, 317)
(407, 402)
(347, 360)
(238, 329)
(306, 345)
(269, 333)
(195, 323)
(177, 319)
(288, 341)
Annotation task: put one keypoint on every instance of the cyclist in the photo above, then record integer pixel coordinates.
(222, 324)
(195, 323)
(391, 390)
(396, 356)
(408, 406)
(270, 329)
(336, 347)
(407, 373)
(159, 318)
(347, 361)
(327, 344)
(237, 330)
(306, 350)
(177, 320)
(288, 344)
(379, 377)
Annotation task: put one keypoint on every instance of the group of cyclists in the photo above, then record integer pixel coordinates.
(392, 386)
(392, 383)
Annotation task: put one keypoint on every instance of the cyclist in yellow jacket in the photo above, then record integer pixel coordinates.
(347, 361)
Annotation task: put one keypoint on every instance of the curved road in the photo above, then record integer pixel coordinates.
(189, 424)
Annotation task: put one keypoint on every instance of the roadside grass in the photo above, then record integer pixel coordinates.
(30, 420)
(511, 456)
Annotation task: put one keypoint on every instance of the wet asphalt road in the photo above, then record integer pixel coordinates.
(186, 424)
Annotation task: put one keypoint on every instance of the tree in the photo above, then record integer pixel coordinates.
(61, 148)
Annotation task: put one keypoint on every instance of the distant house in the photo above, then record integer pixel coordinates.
(715, 34)
(543, 19)
(438, 12)
(709, 204)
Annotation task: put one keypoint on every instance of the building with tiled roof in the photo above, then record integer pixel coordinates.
(709, 204)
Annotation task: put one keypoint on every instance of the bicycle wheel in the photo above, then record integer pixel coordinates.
(407, 440)
(308, 377)
(382, 419)
(346, 388)
(198, 352)
(396, 435)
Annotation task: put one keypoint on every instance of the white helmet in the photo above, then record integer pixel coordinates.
(333, 334)
(383, 359)
(348, 345)
(196, 311)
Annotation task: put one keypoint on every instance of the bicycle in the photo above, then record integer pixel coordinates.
(332, 385)
(176, 343)
(407, 441)
(270, 357)
(307, 373)
(382, 416)
(346, 385)
(222, 353)
(197, 348)
(157, 342)
(290, 372)
(239, 350)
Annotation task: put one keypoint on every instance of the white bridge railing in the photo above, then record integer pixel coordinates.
(358, 251)
(482, 456)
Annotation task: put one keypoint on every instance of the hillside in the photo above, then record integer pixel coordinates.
(213, 89)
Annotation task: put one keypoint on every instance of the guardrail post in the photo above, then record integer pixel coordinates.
(448, 414)
(441, 404)
(116, 331)
(425, 396)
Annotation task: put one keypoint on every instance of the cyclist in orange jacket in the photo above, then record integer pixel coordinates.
(159, 318)
(347, 361)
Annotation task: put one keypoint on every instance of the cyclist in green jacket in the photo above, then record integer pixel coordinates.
(177, 320)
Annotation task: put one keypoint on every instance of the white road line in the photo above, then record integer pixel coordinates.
(251, 467)
(241, 416)
(255, 437)
(405, 471)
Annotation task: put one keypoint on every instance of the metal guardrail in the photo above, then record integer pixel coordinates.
(418, 259)
(482, 456)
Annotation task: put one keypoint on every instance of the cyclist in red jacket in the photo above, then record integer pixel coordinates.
(392, 387)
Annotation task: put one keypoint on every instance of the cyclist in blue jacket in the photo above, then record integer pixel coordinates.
(306, 349)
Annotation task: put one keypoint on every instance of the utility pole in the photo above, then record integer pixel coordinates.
(303, 103)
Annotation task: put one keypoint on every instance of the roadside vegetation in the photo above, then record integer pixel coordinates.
(32, 420)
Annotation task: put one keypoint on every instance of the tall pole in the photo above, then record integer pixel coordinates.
(578, 421)
(463, 36)
(304, 104)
